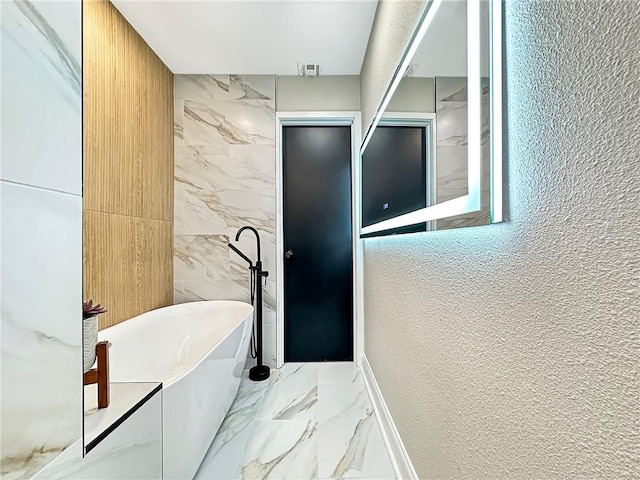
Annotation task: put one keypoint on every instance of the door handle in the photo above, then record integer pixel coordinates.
(288, 254)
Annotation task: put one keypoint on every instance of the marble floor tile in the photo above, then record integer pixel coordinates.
(308, 421)
(293, 394)
(250, 393)
(225, 457)
(349, 441)
(282, 450)
(339, 373)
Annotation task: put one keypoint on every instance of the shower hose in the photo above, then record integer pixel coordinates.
(254, 285)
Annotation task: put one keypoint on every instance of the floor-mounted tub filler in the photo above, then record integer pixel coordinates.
(198, 351)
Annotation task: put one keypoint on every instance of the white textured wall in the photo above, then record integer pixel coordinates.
(312, 94)
(513, 350)
(392, 28)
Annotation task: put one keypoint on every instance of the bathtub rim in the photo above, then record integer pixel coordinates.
(166, 384)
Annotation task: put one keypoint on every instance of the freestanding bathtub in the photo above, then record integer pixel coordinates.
(197, 350)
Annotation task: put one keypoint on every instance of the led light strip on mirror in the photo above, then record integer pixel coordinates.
(470, 202)
(431, 13)
(495, 44)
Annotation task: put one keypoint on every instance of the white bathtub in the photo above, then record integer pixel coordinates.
(197, 350)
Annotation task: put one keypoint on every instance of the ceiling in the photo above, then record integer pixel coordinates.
(254, 37)
(443, 50)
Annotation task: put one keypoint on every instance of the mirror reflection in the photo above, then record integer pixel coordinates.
(450, 111)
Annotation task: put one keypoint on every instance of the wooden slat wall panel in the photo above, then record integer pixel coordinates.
(128, 112)
(109, 265)
(154, 264)
(129, 264)
(128, 168)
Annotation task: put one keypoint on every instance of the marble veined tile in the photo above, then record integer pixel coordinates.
(232, 122)
(204, 167)
(239, 269)
(201, 87)
(247, 244)
(349, 440)
(178, 291)
(196, 290)
(224, 459)
(252, 166)
(451, 124)
(253, 87)
(282, 450)
(132, 451)
(45, 228)
(472, 219)
(224, 211)
(200, 257)
(178, 210)
(293, 394)
(178, 122)
(451, 89)
(451, 172)
(339, 373)
(250, 393)
(269, 339)
(485, 115)
(41, 94)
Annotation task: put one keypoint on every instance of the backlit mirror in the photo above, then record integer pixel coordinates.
(431, 160)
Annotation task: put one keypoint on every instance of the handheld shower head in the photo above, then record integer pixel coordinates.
(237, 250)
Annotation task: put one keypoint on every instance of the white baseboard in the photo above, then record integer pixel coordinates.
(400, 460)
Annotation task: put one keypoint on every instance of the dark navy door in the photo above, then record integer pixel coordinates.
(318, 264)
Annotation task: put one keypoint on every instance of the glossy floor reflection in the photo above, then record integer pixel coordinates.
(308, 421)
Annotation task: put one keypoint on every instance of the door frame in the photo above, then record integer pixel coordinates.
(332, 119)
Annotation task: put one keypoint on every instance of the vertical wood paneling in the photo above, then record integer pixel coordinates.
(128, 168)
(154, 264)
(130, 270)
(128, 119)
(110, 265)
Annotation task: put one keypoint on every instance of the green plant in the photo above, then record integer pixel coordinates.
(90, 310)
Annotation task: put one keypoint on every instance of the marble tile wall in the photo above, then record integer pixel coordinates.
(224, 129)
(41, 233)
(452, 149)
(132, 451)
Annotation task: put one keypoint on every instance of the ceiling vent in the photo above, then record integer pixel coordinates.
(309, 69)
